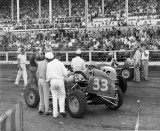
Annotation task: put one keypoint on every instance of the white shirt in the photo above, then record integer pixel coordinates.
(56, 70)
(145, 57)
(22, 59)
(78, 64)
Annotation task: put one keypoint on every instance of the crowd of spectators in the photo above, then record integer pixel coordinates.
(114, 8)
(98, 39)
(105, 39)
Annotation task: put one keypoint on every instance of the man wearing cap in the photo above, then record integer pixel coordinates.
(137, 59)
(43, 86)
(56, 74)
(22, 67)
(78, 63)
(145, 62)
(33, 68)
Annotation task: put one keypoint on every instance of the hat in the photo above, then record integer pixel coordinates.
(49, 55)
(78, 51)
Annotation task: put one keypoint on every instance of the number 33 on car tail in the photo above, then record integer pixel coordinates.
(102, 86)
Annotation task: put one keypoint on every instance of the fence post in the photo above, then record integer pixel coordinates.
(21, 107)
(6, 56)
(90, 57)
(115, 55)
(67, 57)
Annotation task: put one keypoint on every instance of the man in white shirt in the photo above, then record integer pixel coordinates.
(22, 67)
(56, 74)
(145, 62)
(78, 63)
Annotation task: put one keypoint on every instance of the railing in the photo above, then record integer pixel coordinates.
(12, 120)
(97, 56)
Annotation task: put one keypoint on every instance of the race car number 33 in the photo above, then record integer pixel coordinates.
(100, 84)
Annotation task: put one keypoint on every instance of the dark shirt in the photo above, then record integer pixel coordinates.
(32, 61)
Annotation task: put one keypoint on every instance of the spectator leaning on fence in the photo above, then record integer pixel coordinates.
(22, 67)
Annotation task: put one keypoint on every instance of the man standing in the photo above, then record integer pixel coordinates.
(43, 86)
(137, 58)
(33, 68)
(22, 67)
(145, 61)
(56, 73)
(78, 63)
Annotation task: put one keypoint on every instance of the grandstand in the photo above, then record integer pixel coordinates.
(106, 27)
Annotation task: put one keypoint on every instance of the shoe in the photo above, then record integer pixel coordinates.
(48, 113)
(40, 112)
(135, 81)
(55, 117)
(16, 85)
(63, 114)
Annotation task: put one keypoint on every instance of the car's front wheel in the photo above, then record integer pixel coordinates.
(77, 104)
(122, 84)
(116, 103)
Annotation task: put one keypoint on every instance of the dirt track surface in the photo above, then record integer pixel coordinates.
(97, 118)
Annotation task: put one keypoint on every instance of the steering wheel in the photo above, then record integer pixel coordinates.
(81, 78)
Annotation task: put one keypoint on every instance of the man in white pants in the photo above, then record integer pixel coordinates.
(22, 67)
(43, 86)
(145, 62)
(56, 73)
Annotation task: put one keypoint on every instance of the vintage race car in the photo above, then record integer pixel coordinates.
(92, 86)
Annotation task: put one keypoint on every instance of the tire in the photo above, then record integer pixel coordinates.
(77, 97)
(122, 84)
(127, 73)
(31, 96)
(119, 94)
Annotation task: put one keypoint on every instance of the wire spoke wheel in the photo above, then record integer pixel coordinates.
(74, 104)
(31, 97)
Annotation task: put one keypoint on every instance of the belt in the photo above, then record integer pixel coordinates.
(145, 59)
(42, 78)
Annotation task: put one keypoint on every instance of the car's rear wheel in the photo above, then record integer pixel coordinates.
(122, 84)
(127, 73)
(77, 104)
(117, 102)
(31, 96)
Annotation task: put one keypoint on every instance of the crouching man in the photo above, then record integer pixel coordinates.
(43, 86)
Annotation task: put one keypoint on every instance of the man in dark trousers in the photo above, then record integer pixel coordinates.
(33, 68)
